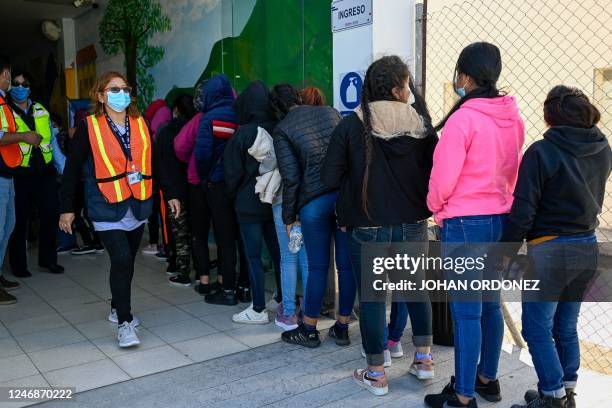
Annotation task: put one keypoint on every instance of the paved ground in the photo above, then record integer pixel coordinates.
(194, 356)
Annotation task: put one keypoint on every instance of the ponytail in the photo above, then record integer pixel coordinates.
(481, 61)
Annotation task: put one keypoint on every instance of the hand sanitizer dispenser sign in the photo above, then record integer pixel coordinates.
(363, 31)
(351, 84)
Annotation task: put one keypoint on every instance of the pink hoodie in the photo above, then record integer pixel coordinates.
(184, 144)
(477, 159)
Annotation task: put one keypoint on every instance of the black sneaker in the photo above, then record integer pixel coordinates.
(55, 269)
(490, 391)
(570, 395)
(571, 398)
(84, 250)
(447, 398)
(6, 298)
(202, 288)
(7, 284)
(341, 335)
(162, 255)
(171, 270)
(244, 294)
(222, 297)
(66, 249)
(22, 274)
(180, 280)
(544, 401)
(99, 248)
(302, 337)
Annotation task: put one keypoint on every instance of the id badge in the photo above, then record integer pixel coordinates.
(134, 177)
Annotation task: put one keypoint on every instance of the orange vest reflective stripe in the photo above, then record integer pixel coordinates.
(112, 166)
(11, 154)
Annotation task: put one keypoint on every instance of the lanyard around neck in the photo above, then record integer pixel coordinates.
(124, 138)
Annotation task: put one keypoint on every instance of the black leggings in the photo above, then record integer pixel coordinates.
(122, 247)
(214, 203)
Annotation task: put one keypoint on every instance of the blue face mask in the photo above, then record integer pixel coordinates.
(460, 91)
(118, 101)
(20, 93)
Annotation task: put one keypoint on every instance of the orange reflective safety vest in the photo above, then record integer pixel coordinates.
(111, 165)
(11, 154)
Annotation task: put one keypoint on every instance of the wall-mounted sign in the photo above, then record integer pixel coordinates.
(347, 14)
(351, 84)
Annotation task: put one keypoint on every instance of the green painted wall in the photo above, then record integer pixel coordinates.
(283, 41)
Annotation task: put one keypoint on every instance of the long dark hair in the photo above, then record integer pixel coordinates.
(381, 77)
(568, 106)
(283, 97)
(482, 62)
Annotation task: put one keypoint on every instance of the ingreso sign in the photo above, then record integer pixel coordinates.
(350, 14)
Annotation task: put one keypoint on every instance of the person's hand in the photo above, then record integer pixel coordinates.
(32, 138)
(175, 207)
(290, 226)
(65, 222)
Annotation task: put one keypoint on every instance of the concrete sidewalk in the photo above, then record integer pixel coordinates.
(282, 375)
(193, 355)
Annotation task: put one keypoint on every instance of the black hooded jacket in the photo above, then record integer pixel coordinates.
(561, 184)
(252, 111)
(398, 177)
(168, 170)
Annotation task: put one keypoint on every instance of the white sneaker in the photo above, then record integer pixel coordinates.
(112, 317)
(272, 304)
(386, 353)
(250, 316)
(379, 386)
(150, 249)
(128, 335)
(397, 351)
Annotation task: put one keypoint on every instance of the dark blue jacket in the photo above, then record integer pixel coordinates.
(216, 126)
(100, 210)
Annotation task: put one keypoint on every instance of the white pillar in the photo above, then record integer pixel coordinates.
(364, 30)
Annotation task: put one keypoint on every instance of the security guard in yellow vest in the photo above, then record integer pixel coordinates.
(35, 183)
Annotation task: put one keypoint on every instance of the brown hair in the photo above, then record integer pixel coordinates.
(100, 85)
(313, 96)
(569, 106)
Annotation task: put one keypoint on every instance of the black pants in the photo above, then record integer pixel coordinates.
(213, 203)
(122, 247)
(154, 219)
(82, 223)
(244, 281)
(38, 190)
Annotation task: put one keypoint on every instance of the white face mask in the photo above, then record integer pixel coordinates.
(411, 99)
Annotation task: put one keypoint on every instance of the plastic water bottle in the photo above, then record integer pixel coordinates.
(296, 239)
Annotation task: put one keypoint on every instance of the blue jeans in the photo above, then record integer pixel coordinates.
(289, 263)
(397, 322)
(479, 326)
(7, 215)
(550, 327)
(318, 220)
(373, 314)
(253, 235)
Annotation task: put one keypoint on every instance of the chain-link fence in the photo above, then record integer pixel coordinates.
(543, 44)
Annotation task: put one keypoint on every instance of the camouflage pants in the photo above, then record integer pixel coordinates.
(182, 241)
